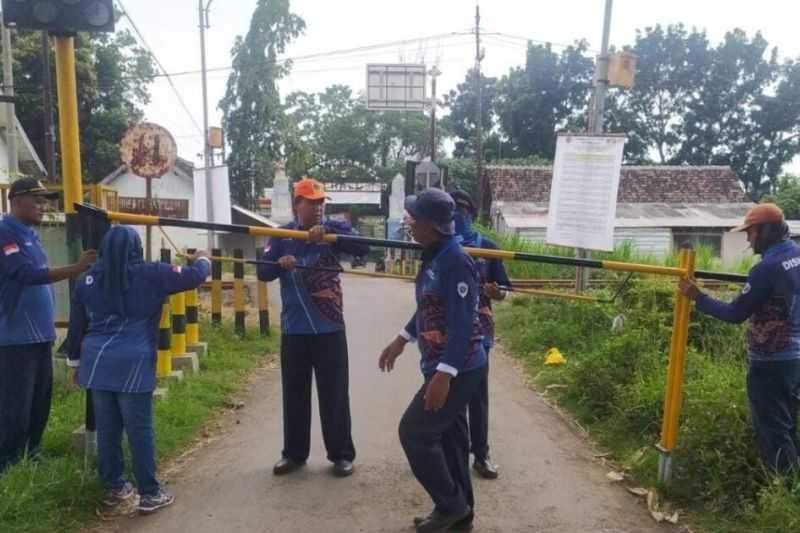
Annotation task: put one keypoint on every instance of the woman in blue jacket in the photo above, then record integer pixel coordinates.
(112, 340)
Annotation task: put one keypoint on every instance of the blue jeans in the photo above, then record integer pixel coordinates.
(133, 412)
(774, 391)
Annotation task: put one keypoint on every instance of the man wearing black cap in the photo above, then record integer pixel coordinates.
(492, 275)
(26, 321)
(433, 430)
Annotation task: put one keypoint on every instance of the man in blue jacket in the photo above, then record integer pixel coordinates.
(313, 332)
(433, 430)
(492, 274)
(26, 321)
(771, 300)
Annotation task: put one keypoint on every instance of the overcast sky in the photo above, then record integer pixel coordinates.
(170, 28)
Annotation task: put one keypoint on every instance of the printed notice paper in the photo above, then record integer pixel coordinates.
(583, 195)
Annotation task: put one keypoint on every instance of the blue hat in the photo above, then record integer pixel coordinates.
(435, 207)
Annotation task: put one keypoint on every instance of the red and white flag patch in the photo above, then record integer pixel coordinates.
(176, 269)
(10, 248)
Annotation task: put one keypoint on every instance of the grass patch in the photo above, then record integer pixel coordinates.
(59, 492)
(614, 384)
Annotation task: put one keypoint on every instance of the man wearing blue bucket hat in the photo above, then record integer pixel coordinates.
(433, 430)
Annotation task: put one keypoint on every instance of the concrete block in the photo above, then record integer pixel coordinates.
(201, 348)
(174, 376)
(188, 363)
(85, 442)
(60, 370)
(161, 393)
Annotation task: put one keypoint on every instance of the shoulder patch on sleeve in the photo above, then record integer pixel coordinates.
(176, 269)
(10, 248)
(747, 288)
(463, 289)
(89, 279)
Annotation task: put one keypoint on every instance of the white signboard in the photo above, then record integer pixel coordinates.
(221, 189)
(583, 195)
(396, 87)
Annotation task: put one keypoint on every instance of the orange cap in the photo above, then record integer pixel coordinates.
(309, 189)
(761, 214)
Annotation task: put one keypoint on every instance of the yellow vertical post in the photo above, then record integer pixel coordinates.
(68, 122)
(673, 397)
(164, 365)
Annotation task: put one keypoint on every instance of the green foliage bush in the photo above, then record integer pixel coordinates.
(615, 383)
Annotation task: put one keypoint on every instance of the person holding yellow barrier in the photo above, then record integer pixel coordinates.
(771, 301)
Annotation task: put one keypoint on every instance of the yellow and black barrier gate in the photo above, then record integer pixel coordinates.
(681, 316)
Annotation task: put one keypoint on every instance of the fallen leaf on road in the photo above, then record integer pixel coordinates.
(615, 476)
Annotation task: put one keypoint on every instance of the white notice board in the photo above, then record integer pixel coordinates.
(220, 188)
(583, 195)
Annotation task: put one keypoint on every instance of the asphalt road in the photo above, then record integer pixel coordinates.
(550, 480)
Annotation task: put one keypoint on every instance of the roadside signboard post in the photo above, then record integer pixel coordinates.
(149, 151)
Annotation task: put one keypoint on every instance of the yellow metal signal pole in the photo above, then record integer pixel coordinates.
(66, 81)
(68, 126)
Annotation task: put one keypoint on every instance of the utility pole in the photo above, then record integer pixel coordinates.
(483, 210)
(435, 72)
(8, 90)
(203, 10)
(596, 118)
(49, 122)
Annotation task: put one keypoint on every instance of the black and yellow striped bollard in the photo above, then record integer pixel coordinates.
(216, 288)
(263, 308)
(238, 293)
(164, 361)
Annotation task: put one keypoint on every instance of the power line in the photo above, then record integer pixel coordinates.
(163, 70)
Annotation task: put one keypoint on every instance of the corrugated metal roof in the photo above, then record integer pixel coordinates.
(656, 215)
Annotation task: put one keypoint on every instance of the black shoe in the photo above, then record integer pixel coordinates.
(343, 468)
(486, 469)
(440, 522)
(286, 466)
(463, 525)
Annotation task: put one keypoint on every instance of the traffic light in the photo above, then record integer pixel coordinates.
(60, 16)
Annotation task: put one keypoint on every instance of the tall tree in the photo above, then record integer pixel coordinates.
(550, 93)
(346, 141)
(693, 103)
(462, 105)
(253, 116)
(113, 74)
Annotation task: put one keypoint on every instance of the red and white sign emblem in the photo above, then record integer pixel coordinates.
(176, 269)
(11, 248)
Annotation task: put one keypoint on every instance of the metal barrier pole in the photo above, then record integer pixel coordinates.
(192, 314)
(216, 288)
(263, 308)
(164, 364)
(673, 397)
(238, 292)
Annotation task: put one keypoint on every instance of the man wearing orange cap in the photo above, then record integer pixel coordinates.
(313, 333)
(771, 300)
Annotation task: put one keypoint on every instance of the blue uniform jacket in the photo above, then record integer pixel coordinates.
(118, 353)
(446, 323)
(26, 297)
(770, 300)
(489, 271)
(312, 299)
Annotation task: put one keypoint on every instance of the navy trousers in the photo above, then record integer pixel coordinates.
(326, 356)
(478, 411)
(437, 444)
(26, 387)
(774, 392)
